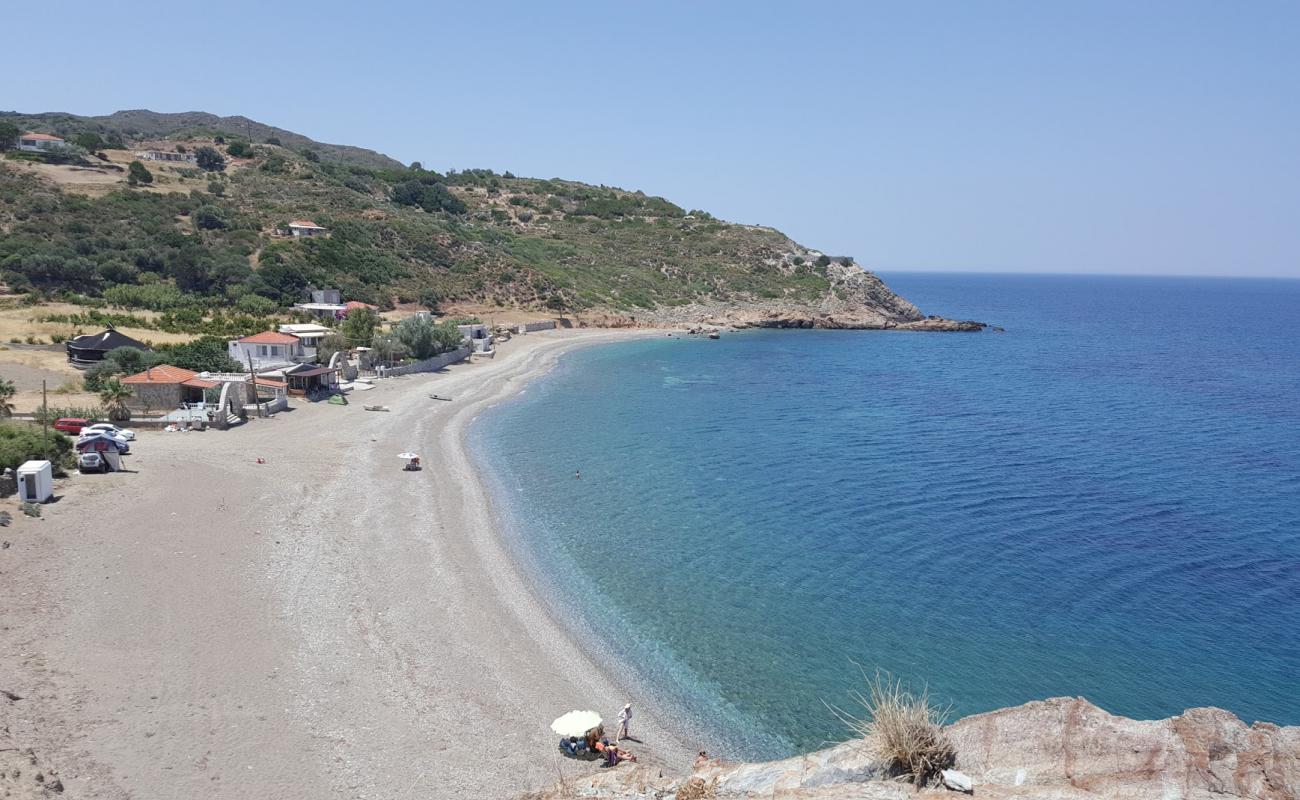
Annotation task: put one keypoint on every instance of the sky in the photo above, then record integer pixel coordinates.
(1107, 137)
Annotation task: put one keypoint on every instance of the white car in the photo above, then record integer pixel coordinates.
(108, 427)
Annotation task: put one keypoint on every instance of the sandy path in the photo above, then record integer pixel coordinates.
(323, 625)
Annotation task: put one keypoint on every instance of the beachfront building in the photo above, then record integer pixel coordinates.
(267, 350)
(477, 336)
(305, 228)
(303, 379)
(166, 387)
(91, 348)
(40, 142)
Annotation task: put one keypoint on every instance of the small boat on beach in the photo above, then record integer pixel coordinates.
(439, 397)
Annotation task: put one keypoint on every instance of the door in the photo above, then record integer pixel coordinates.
(29, 486)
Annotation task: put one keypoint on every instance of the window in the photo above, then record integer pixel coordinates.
(261, 349)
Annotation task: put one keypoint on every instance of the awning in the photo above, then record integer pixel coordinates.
(311, 373)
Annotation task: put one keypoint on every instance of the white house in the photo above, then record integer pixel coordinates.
(309, 333)
(40, 142)
(477, 336)
(166, 155)
(267, 350)
(305, 227)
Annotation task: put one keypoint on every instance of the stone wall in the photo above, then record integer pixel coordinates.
(429, 364)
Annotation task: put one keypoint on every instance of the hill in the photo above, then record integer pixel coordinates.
(212, 238)
(142, 124)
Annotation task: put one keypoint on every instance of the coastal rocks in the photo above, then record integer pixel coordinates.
(855, 299)
(1058, 749)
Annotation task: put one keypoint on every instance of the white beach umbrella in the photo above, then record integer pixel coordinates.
(575, 723)
(407, 456)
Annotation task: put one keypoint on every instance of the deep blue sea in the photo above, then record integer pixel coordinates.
(1102, 501)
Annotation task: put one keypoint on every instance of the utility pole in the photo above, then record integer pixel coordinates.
(252, 379)
(45, 420)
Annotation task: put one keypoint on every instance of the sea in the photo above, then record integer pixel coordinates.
(1103, 500)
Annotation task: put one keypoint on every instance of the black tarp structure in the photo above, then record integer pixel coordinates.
(92, 347)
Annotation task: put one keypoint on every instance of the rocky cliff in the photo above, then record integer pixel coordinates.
(1057, 749)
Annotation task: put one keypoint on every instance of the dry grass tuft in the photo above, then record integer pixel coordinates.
(903, 729)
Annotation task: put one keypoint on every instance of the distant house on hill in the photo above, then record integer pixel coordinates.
(166, 155)
(267, 350)
(40, 142)
(325, 303)
(301, 228)
(165, 386)
(92, 347)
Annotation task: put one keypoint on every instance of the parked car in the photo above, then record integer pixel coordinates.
(125, 433)
(91, 461)
(70, 424)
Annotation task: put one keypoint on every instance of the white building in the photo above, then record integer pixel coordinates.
(40, 142)
(267, 350)
(305, 227)
(309, 333)
(166, 155)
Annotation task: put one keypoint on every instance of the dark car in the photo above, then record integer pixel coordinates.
(70, 424)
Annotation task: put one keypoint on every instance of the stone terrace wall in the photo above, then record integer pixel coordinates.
(430, 364)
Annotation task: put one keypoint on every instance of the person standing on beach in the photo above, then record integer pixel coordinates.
(624, 718)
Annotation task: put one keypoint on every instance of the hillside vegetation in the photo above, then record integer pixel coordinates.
(185, 236)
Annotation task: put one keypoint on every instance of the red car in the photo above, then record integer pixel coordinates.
(70, 424)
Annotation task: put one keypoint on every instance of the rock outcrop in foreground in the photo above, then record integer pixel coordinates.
(1057, 749)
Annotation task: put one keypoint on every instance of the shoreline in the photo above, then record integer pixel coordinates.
(323, 624)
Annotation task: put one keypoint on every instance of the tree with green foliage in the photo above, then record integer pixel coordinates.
(330, 344)
(417, 333)
(823, 261)
(209, 159)
(20, 443)
(129, 360)
(205, 354)
(7, 392)
(311, 155)
(240, 149)
(114, 395)
(446, 337)
(275, 140)
(429, 196)
(256, 305)
(89, 140)
(136, 174)
(431, 299)
(208, 218)
(359, 326)
(8, 136)
(389, 348)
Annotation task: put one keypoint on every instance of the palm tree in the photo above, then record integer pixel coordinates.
(114, 394)
(7, 392)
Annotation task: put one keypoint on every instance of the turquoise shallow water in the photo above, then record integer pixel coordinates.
(1102, 501)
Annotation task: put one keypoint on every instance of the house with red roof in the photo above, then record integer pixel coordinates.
(40, 142)
(267, 350)
(305, 228)
(166, 387)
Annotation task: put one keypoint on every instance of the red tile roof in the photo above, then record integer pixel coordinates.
(40, 137)
(304, 223)
(161, 374)
(199, 383)
(270, 337)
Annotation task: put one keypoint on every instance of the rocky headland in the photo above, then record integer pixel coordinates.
(1058, 749)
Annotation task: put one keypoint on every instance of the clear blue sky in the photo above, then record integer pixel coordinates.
(1022, 136)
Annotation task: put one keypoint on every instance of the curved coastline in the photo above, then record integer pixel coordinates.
(652, 676)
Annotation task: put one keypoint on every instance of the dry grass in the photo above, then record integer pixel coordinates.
(698, 789)
(903, 729)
